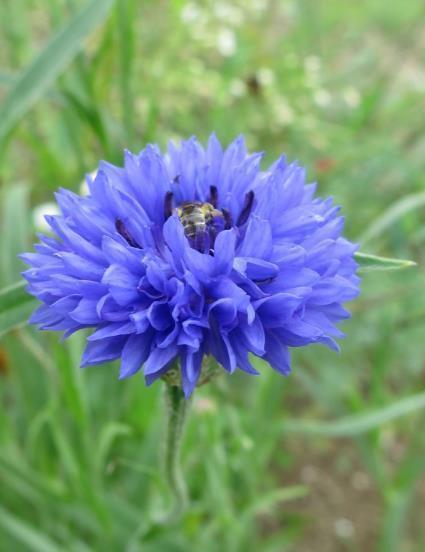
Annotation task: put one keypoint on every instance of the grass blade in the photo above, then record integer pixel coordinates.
(269, 502)
(16, 316)
(43, 71)
(353, 425)
(126, 29)
(372, 263)
(15, 227)
(392, 214)
(15, 306)
(31, 538)
(13, 296)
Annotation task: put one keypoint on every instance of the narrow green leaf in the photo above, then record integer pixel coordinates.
(7, 79)
(392, 215)
(268, 502)
(16, 316)
(15, 226)
(126, 17)
(371, 263)
(16, 304)
(37, 484)
(66, 452)
(13, 296)
(26, 534)
(109, 433)
(353, 425)
(67, 356)
(51, 62)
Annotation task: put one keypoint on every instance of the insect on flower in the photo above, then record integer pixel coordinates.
(197, 254)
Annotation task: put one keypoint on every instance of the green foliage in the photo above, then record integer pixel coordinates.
(51, 62)
(15, 306)
(359, 423)
(371, 263)
(336, 85)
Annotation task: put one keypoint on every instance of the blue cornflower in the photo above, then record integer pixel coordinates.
(191, 253)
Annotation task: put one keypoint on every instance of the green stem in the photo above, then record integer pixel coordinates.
(176, 407)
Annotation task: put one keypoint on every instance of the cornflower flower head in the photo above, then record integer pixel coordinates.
(191, 254)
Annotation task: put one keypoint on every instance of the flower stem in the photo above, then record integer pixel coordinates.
(176, 408)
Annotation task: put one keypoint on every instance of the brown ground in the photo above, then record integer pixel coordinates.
(342, 512)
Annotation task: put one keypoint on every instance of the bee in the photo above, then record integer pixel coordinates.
(203, 221)
(197, 217)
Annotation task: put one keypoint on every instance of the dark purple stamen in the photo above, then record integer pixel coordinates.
(263, 282)
(213, 196)
(246, 210)
(122, 230)
(168, 205)
(227, 219)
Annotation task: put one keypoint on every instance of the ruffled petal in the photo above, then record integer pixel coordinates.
(134, 354)
(97, 352)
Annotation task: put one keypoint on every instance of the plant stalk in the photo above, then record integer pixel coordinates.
(176, 408)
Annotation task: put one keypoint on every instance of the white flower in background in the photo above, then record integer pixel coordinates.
(39, 213)
(411, 77)
(190, 13)
(322, 97)
(228, 13)
(265, 76)
(226, 42)
(237, 88)
(283, 114)
(313, 71)
(312, 64)
(258, 5)
(84, 189)
(351, 96)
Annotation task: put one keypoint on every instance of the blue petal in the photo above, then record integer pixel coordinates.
(251, 336)
(242, 357)
(159, 358)
(125, 255)
(140, 320)
(97, 352)
(277, 354)
(86, 312)
(222, 350)
(80, 267)
(256, 270)
(257, 241)
(134, 354)
(224, 312)
(159, 316)
(224, 252)
(111, 330)
(122, 284)
(277, 309)
(191, 363)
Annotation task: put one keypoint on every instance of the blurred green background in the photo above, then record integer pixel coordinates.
(340, 86)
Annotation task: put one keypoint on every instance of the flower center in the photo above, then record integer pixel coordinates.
(202, 221)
